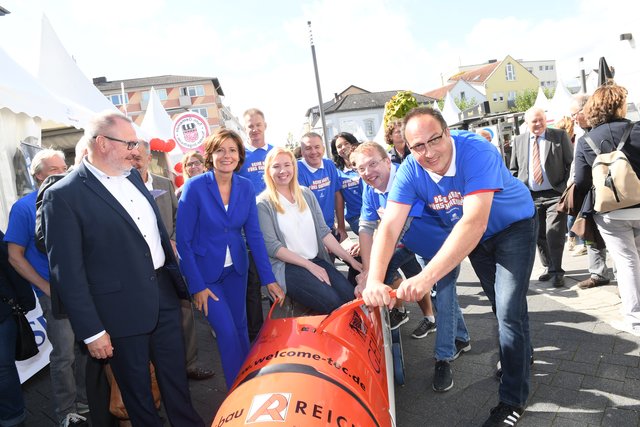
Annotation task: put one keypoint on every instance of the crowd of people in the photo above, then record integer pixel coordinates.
(127, 257)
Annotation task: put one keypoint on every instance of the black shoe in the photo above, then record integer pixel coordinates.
(461, 347)
(200, 373)
(424, 328)
(397, 318)
(504, 415)
(558, 281)
(544, 277)
(442, 378)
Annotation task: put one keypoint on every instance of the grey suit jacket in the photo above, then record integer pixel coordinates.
(558, 157)
(167, 203)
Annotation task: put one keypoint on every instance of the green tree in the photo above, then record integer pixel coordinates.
(525, 100)
(463, 104)
(441, 104)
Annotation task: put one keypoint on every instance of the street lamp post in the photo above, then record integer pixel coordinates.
(315, 68)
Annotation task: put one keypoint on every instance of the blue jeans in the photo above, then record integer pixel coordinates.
(405, 260)
(354, 224)
(11, 404)
(503, 264)
(309, 291)
(67, 363)
(449, 319)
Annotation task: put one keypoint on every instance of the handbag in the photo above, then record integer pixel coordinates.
(616, 184)
(116, 404)
(26, 346)
(568, 203)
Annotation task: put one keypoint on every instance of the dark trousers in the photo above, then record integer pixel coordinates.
(254, 301)
(164, 346)
(552, 230)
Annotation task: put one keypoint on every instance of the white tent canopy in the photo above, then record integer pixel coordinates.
(560, 103)
(450, 110)
(157, 122)
(541, 100)
(60, 74)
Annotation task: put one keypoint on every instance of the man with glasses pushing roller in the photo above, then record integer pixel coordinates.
(464, 182)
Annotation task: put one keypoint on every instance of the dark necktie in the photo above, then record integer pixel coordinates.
(537, 166)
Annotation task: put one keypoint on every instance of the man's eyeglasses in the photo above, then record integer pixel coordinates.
(574, 115)
(194, 164)
(130, 144)
(372, 164)
(421, 147)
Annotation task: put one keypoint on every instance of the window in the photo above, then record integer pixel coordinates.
(541, 68)
(116, 99)
(463, 96)
(529, 69)
(512, 95)
(543, 83)
(368, 127)
(510, 71)
(202, 111)
(162, 95)
(495, 97)
(192, 91)
(551, 67)
(501, 96)
(546, 67)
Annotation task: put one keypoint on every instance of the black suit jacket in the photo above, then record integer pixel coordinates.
(100, 263)
(12, 285)
(558, 157)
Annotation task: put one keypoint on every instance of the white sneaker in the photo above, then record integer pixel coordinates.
(73, 419)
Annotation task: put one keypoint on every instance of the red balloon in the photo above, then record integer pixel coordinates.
(178, 167)
(179, 180)
(156, 144)
(169, 145)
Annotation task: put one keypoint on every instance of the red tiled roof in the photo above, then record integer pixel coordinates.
(440, 92)
(477, 75)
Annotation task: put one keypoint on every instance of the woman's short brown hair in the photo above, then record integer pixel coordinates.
(214, 141)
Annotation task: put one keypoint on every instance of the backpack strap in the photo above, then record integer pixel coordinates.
(625, 135)
(592, 144)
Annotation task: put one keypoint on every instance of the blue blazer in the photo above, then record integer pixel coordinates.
(204, 230)
(100, 264)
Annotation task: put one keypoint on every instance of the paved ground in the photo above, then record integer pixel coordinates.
(586, 373)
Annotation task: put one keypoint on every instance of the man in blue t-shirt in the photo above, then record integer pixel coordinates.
(68, 386)
(463, 181)
(253, 169)
(320, 175)
(376, 169)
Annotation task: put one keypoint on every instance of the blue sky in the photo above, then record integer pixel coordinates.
(260, 50)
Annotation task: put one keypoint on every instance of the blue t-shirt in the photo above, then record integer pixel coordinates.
(22, 231)
(426, 232)
(351, 188)
(324, 183)
(477, 167)
(253, 166)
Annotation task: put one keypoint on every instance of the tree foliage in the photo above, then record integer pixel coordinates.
(398, 106)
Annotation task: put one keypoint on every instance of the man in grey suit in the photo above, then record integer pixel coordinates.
(164, 193)
(541, 159)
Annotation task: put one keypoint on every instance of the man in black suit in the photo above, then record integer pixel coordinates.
(541, 158)
(114, 268)
(164, 193)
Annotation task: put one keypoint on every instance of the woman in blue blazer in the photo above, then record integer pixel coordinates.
(214, 210)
